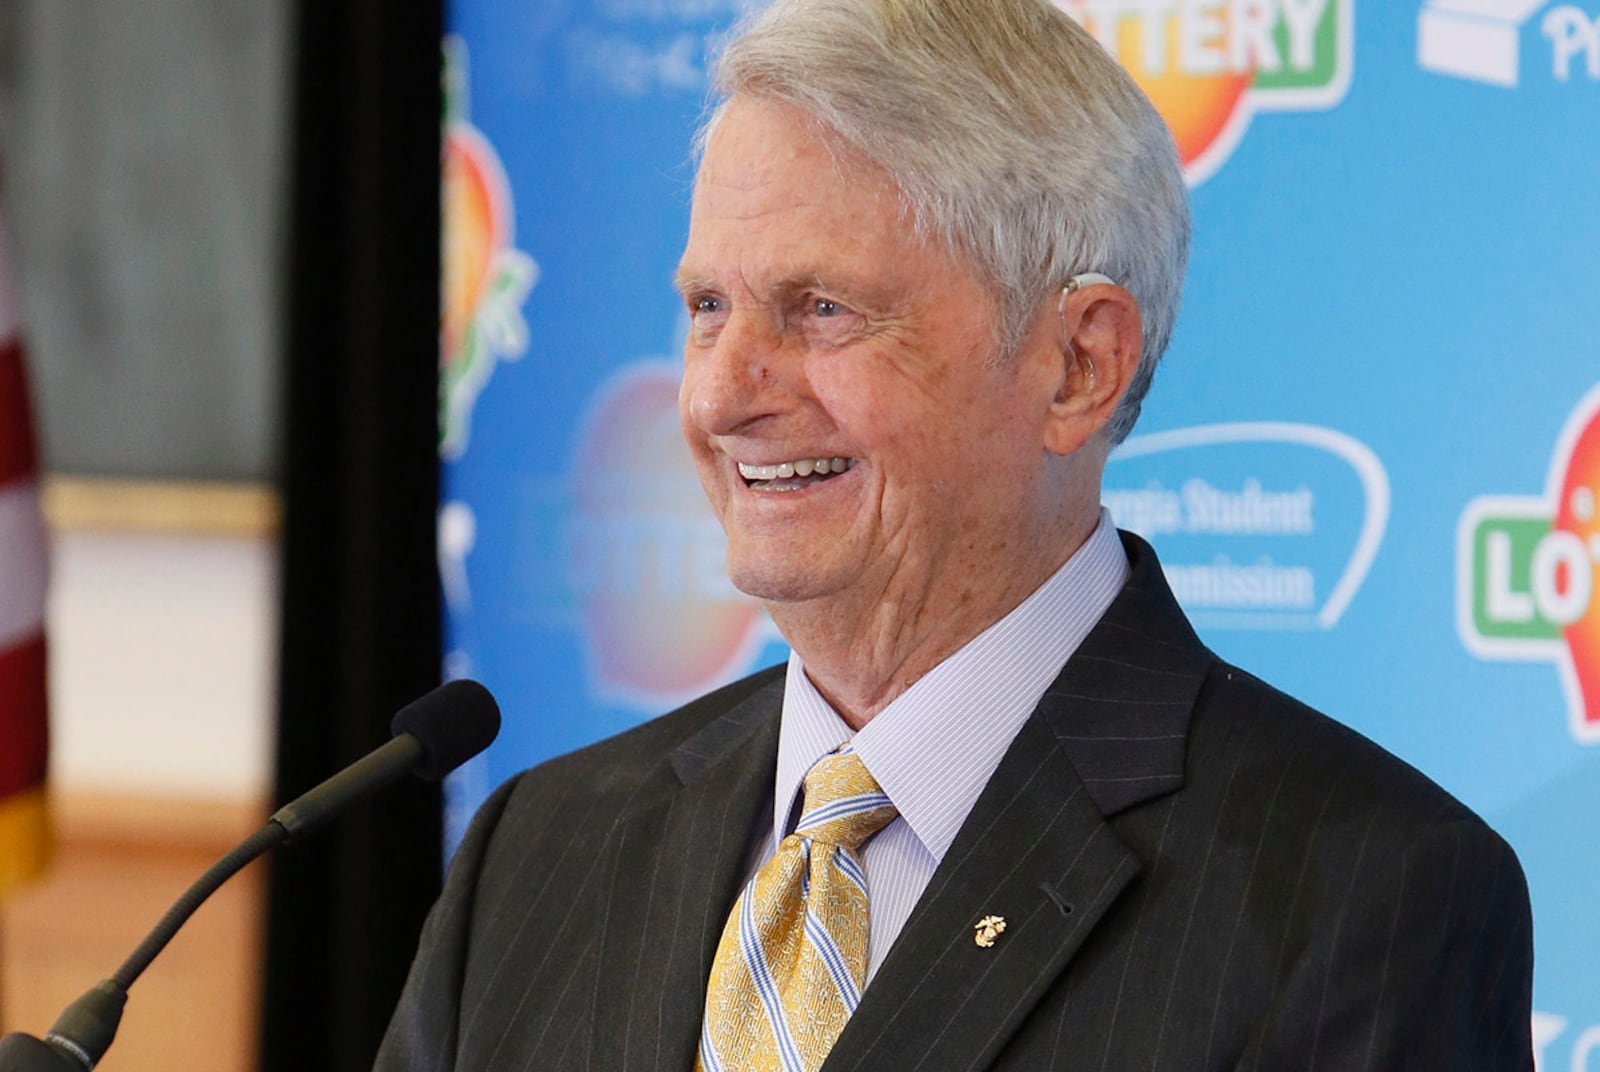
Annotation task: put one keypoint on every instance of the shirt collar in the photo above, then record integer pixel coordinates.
(936, 745)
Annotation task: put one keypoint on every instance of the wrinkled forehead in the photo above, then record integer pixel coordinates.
(851, 163)
(781, 204)
(753, 138)
(772, 177)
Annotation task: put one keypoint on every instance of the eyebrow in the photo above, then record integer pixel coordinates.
(685, 282)
(688, 282)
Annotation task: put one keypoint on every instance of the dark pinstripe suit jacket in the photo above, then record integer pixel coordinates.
(1197, 873)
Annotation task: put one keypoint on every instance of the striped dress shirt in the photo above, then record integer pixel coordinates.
(935, 746)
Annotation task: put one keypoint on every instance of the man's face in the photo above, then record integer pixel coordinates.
(824, 330)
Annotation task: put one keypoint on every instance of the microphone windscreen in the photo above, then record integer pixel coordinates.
(453, 723)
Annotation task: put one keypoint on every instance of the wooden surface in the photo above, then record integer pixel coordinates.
(120, 863)
(182, 507)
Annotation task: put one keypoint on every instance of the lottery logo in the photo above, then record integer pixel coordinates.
(1210, 65)
(1528, 571)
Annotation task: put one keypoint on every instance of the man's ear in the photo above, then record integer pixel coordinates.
(1099, 338)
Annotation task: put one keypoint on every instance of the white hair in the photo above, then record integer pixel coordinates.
(1014, 138)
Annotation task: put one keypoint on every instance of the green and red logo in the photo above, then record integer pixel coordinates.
(1210, 65)
(1528, 571)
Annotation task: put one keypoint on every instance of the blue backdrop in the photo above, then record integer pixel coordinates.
(1370, 461)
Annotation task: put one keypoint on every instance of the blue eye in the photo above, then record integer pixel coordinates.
(825, 308)
(707, 305)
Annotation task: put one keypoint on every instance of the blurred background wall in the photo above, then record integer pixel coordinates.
(143, 153)
(225, 216)
(143, 156)
(146, 170)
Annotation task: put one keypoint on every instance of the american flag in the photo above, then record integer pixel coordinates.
(24, 835)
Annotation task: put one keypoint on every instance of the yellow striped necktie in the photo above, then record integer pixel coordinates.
(793, 957)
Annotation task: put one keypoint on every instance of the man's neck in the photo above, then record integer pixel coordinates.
(864, 650)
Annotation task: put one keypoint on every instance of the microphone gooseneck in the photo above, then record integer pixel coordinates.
(433, 736)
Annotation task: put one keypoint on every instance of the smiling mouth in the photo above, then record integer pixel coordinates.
(793, 476)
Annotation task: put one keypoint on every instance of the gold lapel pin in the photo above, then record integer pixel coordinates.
(988, 929)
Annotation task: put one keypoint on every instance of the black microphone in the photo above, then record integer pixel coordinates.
(432, 737)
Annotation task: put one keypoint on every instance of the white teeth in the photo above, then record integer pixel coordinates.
(803, 467)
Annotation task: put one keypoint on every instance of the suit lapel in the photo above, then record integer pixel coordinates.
(1034, 850)
(681, 853)
(1037, 849)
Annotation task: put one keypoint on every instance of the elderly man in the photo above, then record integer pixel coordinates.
(1002, 809)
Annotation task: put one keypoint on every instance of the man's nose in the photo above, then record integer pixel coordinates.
(738, 378)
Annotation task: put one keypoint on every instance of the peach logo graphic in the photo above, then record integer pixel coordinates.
(660, 620)
(1528, 571)
(485, 279)
(1210, 65)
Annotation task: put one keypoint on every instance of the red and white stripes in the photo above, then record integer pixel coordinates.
(23, 572)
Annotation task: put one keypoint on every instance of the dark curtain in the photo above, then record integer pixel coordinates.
(360, 626)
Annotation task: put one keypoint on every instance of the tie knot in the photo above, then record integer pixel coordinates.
(843, 802)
